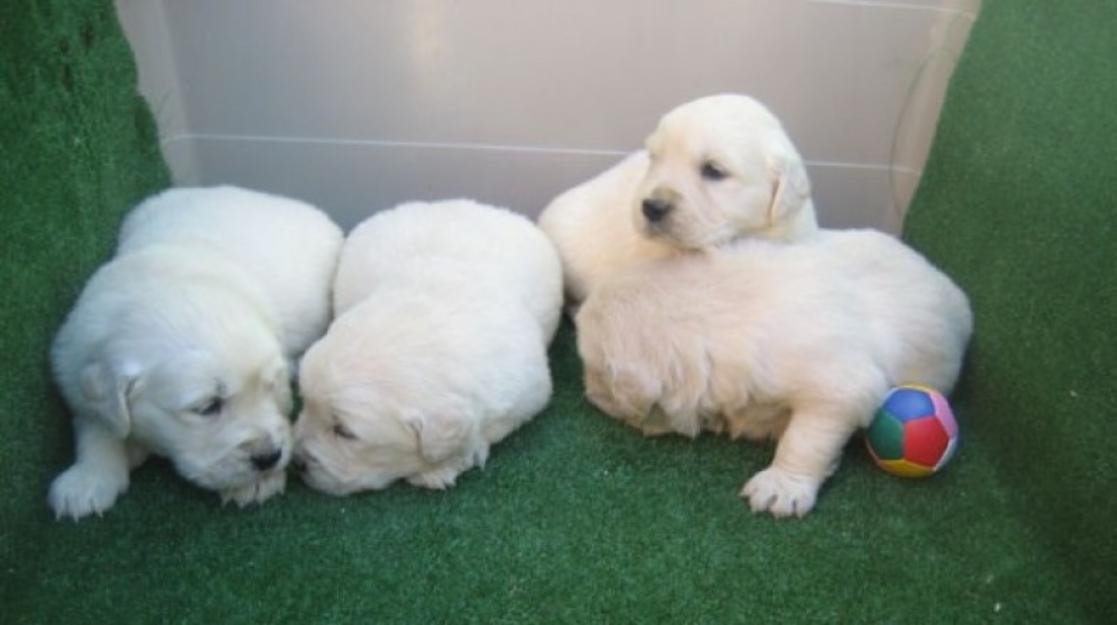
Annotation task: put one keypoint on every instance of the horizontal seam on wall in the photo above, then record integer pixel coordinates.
(482, 146)
(397, 144)
(899, 5)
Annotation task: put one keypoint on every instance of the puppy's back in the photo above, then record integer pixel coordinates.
(454, 241)
(289, 246)
(905, 297)
(849, 302)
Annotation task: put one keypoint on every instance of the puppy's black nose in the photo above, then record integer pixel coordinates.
(655, 210)
(263, 462)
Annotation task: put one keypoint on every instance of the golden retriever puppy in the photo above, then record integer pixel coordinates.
(798, 343)
(181, 344)
(439, 350)
(715, 170)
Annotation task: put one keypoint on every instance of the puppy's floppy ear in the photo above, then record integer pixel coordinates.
(441, 435)
(107, 389)
(790, 186)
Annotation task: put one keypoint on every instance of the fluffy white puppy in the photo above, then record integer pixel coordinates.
(439, 350)
(716, 169)
(181, 345)
(798, 343)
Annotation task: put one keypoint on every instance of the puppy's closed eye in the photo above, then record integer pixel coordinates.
(211, 408)
(341, 431)
(712, 171)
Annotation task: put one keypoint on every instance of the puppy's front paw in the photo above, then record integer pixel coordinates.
(782, 493)
(257, 491)
(435, 479)
(83, 490)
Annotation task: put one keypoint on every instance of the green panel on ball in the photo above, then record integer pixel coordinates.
(886, 436)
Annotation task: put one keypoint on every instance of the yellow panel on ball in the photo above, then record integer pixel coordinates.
(905, 468)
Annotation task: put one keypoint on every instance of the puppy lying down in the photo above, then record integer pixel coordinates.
(439, 349)
(798, 343)
(715, 170)
(181, 344)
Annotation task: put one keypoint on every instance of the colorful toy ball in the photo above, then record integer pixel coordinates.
(914, 433)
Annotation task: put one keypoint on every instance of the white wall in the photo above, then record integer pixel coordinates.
(358, 104)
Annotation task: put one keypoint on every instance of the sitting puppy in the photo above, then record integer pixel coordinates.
(715, 170)
(181, 345)
(798, 343)
(439, 350)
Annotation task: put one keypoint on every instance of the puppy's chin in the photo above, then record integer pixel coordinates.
(321, 480)
(230, 473)
(268, 484)
(670, 233)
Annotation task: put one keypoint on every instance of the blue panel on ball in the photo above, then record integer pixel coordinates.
(909, 403)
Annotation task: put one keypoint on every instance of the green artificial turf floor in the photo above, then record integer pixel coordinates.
(578, 519)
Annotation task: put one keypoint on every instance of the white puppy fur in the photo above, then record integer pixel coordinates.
(716, 169)
(439, 350)
(798, 343)
(181, 344)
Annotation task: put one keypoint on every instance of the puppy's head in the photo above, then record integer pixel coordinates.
(211, 396)
(371, 413)
(722, 167)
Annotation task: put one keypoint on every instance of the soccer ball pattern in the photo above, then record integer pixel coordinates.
(914, 433)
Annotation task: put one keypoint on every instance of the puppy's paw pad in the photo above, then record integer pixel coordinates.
(81, 491)
(256, 492)
(780, 493)
(436, 479)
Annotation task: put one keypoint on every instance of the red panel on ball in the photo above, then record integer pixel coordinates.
(925, 441)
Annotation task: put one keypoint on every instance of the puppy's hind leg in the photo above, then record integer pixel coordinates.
(808, 452)
(96, 479)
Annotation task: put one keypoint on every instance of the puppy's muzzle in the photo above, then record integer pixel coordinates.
(655, 209)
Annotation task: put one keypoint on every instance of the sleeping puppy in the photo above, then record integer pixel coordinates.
(798, 343)
(715, 170)
(182, 344)
(439, 350)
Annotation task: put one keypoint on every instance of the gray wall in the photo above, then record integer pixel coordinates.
(357, 105)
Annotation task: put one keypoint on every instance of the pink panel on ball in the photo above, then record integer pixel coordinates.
(951, 447)
(942, 408)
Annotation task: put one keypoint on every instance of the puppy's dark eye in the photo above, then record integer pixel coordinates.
(211, 408)
(711, 171)
(343, 432)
